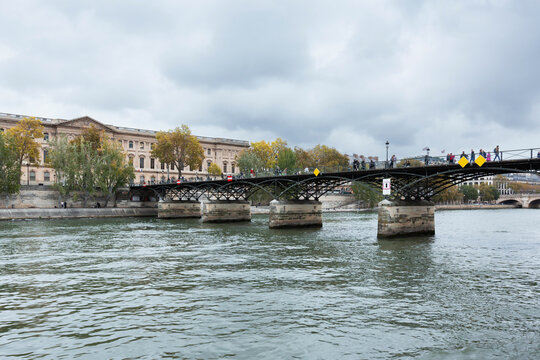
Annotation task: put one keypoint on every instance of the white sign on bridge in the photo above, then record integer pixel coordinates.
(386, 187)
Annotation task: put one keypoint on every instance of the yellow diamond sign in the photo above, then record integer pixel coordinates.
(316, 172)
(480, 160)
(463, 161)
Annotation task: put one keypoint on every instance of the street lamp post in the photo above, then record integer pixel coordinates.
(387, 143)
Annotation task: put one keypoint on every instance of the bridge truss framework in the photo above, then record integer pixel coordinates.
(408, 183)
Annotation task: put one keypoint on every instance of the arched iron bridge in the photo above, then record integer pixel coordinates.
(408, 183)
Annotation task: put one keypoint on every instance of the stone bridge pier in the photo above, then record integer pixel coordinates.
(295, 213)
(171, 209)
(406, 217)
(219, 211)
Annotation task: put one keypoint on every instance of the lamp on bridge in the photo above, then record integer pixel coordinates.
(386, 164)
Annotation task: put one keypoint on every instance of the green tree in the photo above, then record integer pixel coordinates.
(286, 159)
(214, 169)
(112, 169)
(368, 193)
(248, 160)
(83, 165)
(61, 159)
(469, 192)
(24, 136)
(10, 171)
(180, 148)
(488, 192)
(449, 195)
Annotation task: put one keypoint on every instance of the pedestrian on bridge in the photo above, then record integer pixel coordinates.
(482, 153)
(363, 163)
(472, 156)
(463, 155)
(371, 164)
(496, 152)
(393, 161)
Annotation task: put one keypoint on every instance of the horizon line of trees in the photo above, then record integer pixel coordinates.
(265, 156)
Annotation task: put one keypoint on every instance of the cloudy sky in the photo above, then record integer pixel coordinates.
(350, 74)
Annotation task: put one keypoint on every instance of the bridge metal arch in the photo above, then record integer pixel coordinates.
(339, 180)
(447, 182)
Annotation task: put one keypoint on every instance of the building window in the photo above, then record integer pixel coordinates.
(141, 146)
(45, 155)
(152, 163)
(209, 151)
(225, 167)
(232, 168)
(130, 160)
(200, 167)
(32, 175)
(46, 136)
(47, 176)
(152, 146)
(162, 166)
(172, 166)
(142, 179)
(141, 163)
(131, 144)
(208, 163)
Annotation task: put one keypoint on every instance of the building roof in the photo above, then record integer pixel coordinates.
(115, 129)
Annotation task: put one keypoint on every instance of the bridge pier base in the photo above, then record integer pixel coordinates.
(401, 218)
(295, 213)
(217, 211)
(179, 209)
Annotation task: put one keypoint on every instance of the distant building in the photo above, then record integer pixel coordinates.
(137, 143)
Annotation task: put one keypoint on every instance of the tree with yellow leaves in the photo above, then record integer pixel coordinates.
(263, 151)
(214, 169)
(179, 147)
(24, 136)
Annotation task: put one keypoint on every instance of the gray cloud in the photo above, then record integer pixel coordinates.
(351, 74)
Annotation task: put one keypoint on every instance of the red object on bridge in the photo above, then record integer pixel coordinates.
(229, 178)
(178, 181)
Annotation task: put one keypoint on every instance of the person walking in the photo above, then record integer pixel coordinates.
(488, 156)
(496, 152)
(392, 161)
(363, 164)
(371, 164)
(463, 155)
(472, 156)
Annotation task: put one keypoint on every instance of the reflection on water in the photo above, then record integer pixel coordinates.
(149, 288)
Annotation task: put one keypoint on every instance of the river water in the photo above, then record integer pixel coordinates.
(148, 288)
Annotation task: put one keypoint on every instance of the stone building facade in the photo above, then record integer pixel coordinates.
(137, 144)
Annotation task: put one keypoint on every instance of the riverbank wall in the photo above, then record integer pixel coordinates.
(472, 207)
(46, 197)
(75, 213)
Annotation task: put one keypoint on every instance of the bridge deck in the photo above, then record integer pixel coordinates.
(498, 167)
